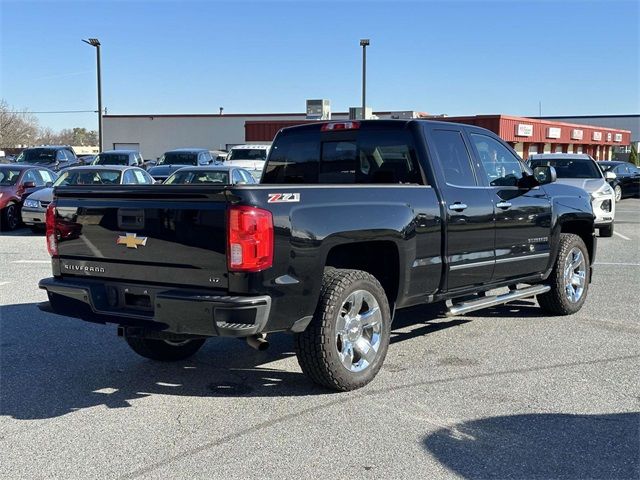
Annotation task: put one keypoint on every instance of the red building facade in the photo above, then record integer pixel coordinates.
(526, 135)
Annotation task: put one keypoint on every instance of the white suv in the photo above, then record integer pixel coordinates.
(249, 157)
(582, 171)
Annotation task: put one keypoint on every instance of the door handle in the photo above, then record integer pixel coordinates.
(503, 205)
(458, 207)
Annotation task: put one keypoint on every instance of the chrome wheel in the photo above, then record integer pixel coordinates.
(618, 193)
(575, 275)
(358, 329)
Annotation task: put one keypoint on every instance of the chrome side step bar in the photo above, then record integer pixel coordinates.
(486, 302)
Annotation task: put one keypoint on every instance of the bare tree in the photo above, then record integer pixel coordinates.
(16, 128)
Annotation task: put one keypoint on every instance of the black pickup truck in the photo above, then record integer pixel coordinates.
(352, 221)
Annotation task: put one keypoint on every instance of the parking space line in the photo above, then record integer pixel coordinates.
(4, 283)
(621, 264)
(621, 236)
(32, 261)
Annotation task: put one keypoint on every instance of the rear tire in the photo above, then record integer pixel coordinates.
(164, 350)
(345, 344)
(569, 279)
(606, 231)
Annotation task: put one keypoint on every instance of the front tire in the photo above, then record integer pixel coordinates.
(10, 217)
(606, 231)
(569, 279)
(345, 344)
(164, 350)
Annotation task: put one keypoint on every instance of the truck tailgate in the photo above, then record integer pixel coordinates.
(153, 234)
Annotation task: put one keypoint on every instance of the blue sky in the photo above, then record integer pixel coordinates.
(454, 57)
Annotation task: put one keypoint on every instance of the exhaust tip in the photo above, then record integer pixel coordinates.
(258, 342)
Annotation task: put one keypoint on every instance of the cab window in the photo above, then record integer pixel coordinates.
(454, 158)
(501, 167)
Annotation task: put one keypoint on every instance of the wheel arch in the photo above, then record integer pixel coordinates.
(380, 258)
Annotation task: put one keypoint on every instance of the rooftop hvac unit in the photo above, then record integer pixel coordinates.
(318, 109)
(355, 113)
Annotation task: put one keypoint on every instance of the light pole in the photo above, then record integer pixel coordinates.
(94, 42)
(364, 43)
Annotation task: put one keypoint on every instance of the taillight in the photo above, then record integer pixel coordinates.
(327, 127)
(250, 239)
(51, 236)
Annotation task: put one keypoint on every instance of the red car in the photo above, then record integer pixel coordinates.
(17, 182)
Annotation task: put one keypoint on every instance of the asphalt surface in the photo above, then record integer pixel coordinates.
(501, 393)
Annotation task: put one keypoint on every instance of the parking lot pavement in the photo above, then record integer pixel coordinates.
(500, 393)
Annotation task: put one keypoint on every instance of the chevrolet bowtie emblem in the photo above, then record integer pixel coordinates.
(131, 240)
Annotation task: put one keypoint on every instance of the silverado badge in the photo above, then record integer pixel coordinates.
(131, 240)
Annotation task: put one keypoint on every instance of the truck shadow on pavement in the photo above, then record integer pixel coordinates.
(52, 365)
(540, 446)
(21, 232)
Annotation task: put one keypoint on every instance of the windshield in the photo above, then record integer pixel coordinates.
(248, 154)
(112, 159)
(605, 167)
(179, 158)
(195, 176)
(8, 177)
(88, 177)
(37, 155)
(570, 167)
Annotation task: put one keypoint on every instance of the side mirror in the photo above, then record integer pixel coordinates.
(610, 175)
(29, 184)
(157, 182)
(545, 174)
(48, 184)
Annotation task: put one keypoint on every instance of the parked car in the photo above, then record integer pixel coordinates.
(17, 182)
(582, 171)
(35, 205)
(627, 178)
(220, 174)
(219, 155)
(130, 158)
(353, 221)
(86, 159)
(54, 157)
(249, 157)
(6, 158)
(179, 158)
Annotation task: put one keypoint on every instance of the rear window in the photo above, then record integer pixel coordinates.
(198, 177)
(569, 167)
(363, 156)
(37, 155)
(9, 177)
(88, 177)
(112, 159)
(179, 158)
(248, 154)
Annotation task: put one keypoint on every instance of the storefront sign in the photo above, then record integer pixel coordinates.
(618, 137)
(608, 136)
(576, 134)
(524, 130)
(596, 136)
(554, 132)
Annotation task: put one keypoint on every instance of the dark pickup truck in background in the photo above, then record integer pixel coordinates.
(352, 221)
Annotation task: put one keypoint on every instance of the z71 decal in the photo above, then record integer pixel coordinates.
(283, 197)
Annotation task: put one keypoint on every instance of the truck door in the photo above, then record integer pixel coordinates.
(469, 239)
(523, 215)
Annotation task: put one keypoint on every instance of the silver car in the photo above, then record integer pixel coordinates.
(34, 208)
(582, 171)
